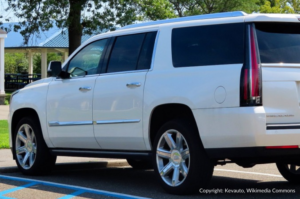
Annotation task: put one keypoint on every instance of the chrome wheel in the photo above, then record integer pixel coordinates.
(173, 158)
(293, 168)
(26, 146)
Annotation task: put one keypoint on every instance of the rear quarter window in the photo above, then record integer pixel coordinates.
(208, 45)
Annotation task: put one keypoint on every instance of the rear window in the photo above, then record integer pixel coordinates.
(278, 42)
(208, 45)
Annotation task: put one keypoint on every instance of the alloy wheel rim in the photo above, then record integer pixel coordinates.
(26, 146)
(293, 168)
(173, 158)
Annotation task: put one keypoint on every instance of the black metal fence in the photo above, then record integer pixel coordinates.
(17, 81)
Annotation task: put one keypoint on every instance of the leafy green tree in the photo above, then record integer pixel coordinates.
(196, 7)
(15, 63)
(82, 16)
(278, 6)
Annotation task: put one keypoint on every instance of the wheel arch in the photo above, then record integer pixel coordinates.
(166, 112)
(17, 116)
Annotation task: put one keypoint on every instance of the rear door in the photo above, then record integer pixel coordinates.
(279, 48)
(119, 92)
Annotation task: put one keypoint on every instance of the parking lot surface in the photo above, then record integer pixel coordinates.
(109, 178)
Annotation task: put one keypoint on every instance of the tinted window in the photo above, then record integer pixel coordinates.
(208, 45)
(87, 60)
(278, 42)
(125, 53)
(146, 51)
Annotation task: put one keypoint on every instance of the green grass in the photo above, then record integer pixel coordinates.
(7, 98)
(4, 140)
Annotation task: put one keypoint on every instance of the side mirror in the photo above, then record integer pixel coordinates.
(64, 75)
(54, 68)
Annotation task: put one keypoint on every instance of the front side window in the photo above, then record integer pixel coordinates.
(208, 45)
(86, 62)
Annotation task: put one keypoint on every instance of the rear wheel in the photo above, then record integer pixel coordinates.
(31, 152)
(181, 163)
(140, 164)
(291, 172)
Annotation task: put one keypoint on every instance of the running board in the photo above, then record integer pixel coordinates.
(102, 153)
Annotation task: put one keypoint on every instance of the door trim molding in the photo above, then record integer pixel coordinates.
(57, 123)
(117, 121)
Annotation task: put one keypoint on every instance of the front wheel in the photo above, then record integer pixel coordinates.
(181, 163)
(291, 172)
(31, 152)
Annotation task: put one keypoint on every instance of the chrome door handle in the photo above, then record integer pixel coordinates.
(133, 84)
(85, 88)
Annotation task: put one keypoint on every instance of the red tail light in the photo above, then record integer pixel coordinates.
(251, 72)
(283, 147)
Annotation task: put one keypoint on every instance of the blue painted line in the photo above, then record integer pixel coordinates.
(76, 188)
(4, 197)
(16, 189)
(76, 193)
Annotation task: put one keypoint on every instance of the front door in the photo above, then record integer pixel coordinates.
(70, 101)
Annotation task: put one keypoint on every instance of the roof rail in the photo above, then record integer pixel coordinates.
(190, 18)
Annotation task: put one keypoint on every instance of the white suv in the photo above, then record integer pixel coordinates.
(179, 96)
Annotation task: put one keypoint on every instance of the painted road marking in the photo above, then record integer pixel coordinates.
(17, 189)
(254, 173)
(76, 193)
(78, 190)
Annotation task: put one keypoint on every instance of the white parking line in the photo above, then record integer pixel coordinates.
(246, 172)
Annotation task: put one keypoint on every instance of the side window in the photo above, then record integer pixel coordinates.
(208, 45)
(125, 53)
(86, 62)
(147, 51)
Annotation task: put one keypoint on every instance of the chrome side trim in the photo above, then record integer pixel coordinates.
(56, 123)
(278, 126)
(117, 121)
(280, 65)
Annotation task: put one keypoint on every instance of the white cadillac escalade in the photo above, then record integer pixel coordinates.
(179, 95)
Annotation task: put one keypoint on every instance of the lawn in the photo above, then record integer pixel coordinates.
(7, 98)
(4, 140)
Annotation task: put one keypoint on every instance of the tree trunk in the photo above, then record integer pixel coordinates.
(75, 29)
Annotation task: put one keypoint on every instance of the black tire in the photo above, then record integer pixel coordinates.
(140, 164)
(43, 160)
(200, 166)
(288, 173)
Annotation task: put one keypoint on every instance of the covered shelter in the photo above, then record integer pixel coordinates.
(53, 40)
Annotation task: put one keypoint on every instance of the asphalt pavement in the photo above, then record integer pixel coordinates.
(111, 178)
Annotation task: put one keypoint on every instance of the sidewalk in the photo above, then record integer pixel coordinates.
(8, 165)
(4, 110)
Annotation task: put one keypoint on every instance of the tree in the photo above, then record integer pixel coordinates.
(196, 7)
(82, 16)
(278, 6)
(15, 63)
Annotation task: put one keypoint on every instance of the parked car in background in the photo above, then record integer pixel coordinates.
(179, 95)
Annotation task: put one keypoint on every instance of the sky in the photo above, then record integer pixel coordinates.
(6, 14)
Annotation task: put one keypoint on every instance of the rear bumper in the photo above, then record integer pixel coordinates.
(255, 154)
(241, 127)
